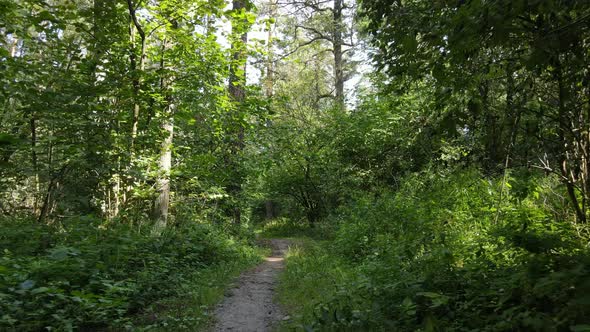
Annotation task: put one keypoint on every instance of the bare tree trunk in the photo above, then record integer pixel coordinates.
(510, 109)
(565, 167)
(318, 93)
(162, 202)
(513, 114)
(269, 207)
(269, 84)
(337, 49)
(48, 200)
(491, 144)
(13, 47)
(238, 46)
(33, 124)
(269, 79)
(136, 70)
(237, 82)
(237, 74)
(585, 145)
(163, 183)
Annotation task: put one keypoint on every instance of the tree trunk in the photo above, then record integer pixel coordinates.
(269, 79)
(13, 47)
(513, 113)
(237, 92)
(136, 70)
(269, 207)
(337, 45)
(35, 164)
(47, 201)
(490, 121)
(160, 213)
(585, 145)
(163, 183)
(237, 71)
(564, 164)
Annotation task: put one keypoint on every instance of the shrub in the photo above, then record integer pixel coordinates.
(449, 252)
(82, 274)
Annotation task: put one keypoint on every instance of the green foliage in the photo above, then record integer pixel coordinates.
(82, 274)
(508, 77)
(190, 306)
(453, 196)
(312, 275)
(443, 253)
(297, 167)
(283, 227)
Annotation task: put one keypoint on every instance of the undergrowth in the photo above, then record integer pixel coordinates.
(312, 275)
(286, 228)
(82, 274)
(446, 252)
(190, 307)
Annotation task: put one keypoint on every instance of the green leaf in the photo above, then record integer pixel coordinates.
(410, 43)
(62, 253)
(39, 290)
(429, 294)
(7, 139)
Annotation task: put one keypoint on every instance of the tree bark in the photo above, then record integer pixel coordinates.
(13, 47)
(47, 201)
(237, 92)
(337, 50)
(269, 79)
(565, 168)
(163, 183)
(34, 162)
(491, 145)
(135, 26)
(269, 207)
(162, 202)
(237, 74)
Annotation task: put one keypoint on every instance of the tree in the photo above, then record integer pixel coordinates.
(135, 27)
(327, 23)
(77, 75)
(241, 21)
(531, 55)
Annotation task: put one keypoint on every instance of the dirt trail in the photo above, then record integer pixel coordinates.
(250, 306)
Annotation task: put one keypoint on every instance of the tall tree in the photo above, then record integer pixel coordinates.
(136, 69)
(240, 25)
(328, 23)
(162, 201)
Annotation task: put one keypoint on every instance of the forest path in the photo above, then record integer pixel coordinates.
(249, 306)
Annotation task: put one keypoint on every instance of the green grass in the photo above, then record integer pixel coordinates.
(191, 309)
(311, 276)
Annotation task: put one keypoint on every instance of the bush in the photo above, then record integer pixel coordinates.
(448, 252)
(82, 274)
(284, 227)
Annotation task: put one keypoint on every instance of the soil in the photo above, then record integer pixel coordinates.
(250, 306)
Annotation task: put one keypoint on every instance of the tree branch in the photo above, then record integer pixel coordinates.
(132, 14)
(309, 4)
(319, 34)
